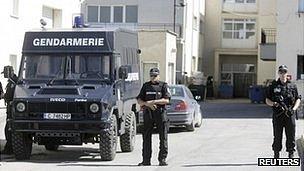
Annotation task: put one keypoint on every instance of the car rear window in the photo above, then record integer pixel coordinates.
(176, 91)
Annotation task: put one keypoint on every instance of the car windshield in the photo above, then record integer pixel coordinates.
(80, 67)
(176, 91)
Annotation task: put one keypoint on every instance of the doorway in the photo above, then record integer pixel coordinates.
(241, 84)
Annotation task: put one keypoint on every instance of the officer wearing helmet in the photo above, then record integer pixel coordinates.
(283, 97)
(8, 97)
(153, 97)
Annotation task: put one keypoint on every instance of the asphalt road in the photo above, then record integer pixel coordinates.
(233, 135)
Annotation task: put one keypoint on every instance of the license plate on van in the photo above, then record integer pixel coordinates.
(57, 116)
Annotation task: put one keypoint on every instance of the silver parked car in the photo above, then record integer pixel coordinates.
(183, 109)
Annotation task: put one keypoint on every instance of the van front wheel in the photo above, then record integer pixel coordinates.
(22, 145)
(108, 141)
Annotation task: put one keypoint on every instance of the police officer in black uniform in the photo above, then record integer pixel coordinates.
(153, 97)
(1, 91)
(8, 97)
(283, 96)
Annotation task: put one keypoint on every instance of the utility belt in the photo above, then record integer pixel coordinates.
(161, 111)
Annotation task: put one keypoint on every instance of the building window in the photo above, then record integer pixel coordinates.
(15, 8)
(118, 14)
(238, 28)
(131, 14)
(105, 14)
(92, 13)
(300, 74)
(113, 14)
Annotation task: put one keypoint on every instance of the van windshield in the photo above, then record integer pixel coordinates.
(79, 67)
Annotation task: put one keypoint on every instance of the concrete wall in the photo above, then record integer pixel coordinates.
(245, 8)
(267, 10)
(212, 34)
(290, 40)
(158, 47)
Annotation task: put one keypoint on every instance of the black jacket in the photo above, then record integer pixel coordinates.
(10, 89)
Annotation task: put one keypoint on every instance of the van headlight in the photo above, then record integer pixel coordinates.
(94, 108)
(20, 107)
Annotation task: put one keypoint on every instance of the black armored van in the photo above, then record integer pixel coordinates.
(74, 87)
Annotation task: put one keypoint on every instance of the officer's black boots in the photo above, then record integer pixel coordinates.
(276, 154)
(290, 155)
(163, 163)
(144, 164)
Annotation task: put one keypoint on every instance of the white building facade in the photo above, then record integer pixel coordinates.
(290, 39)
(20, 16)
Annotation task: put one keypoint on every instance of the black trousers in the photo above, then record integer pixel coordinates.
(279, 123)
(7, 131)
(159, 119)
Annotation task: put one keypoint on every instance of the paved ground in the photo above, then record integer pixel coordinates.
(233, 135)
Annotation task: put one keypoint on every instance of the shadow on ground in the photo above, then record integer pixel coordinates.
(234, 110)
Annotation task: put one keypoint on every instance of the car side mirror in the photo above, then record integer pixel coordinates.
(8, 71)
(123, 72)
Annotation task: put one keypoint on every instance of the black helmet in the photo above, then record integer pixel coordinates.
(283, 68)
(154, 71)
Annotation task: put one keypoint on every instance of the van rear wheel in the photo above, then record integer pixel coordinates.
(127, 140)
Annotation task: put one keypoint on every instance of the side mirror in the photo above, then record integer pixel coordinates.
(123, 72)
(8, 71)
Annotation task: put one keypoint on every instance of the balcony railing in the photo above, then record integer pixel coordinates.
(268, 44)
(268, 35)
(140, 26)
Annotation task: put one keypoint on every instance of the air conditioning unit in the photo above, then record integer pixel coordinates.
(301, 6)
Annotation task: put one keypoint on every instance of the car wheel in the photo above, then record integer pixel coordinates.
(199, 120)
(191, 126)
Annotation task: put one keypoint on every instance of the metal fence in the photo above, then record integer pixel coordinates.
(268, 35)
